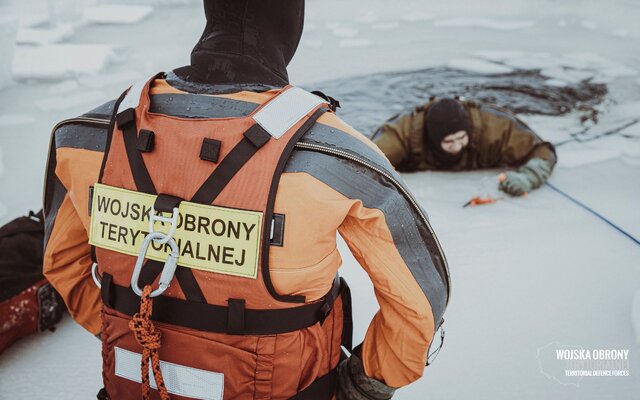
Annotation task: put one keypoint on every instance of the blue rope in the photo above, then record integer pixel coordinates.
(592, 211)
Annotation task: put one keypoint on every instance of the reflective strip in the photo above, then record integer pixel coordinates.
(283, 112)
(179, 379)
(132, 99)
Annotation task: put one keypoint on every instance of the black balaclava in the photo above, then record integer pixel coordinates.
(245, 43)
(444, 117)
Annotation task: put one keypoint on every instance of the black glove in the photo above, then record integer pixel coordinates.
(353, 384)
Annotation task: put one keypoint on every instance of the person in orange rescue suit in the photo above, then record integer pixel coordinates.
(458, 135)
(191, 224)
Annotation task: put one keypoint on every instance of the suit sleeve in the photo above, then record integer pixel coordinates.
(67, 261)
(400, 255)
(521, 144)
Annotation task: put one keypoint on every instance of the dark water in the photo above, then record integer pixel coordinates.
(368, 101)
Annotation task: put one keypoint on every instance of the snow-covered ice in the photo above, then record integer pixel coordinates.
(15, 119)
(478, 66)
(486, 23)
(61, 60)
(8, 31)
(42, 36)
(355, 42)
(116, 13)
(526, 272)
(67, 101)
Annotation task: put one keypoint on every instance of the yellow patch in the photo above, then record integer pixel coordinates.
(210, 238)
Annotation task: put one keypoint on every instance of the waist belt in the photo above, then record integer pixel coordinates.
(234, 319)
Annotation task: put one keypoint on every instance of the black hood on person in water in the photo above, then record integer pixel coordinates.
(245, 43)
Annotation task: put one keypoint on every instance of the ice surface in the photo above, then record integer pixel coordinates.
(116, 13)
(478, 66)
(15, 119)
(42, 36)
(526, 272)
(59, 61)
(346, 32)
(355, 42)
(487, 23)
(418, 16)
(384, 26)
(589, 25)
(572, 158)
(65, 102)
(635, 314)
(8, 29)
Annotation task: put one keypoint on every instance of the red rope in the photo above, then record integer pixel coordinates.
(149, 338)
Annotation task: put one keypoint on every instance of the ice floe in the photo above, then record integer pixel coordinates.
(487, 23)
(64, 102)
(384, 26)
(16, 119)
(417, 16)
(355, 42)
(59, 61)
(478, 66)
(42, 36)
(570, 67)
(116, 13)
(589, 25)
(8, 30)
(345, 32)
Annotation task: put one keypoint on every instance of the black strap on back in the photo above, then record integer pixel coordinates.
(254, 138)
(219, 319)
(126, 121)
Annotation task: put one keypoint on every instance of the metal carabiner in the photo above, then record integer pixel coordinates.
(94, 275)
(153, 217)
(168, 270)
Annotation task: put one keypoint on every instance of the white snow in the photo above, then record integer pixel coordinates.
(526, 272)
(346, 32)
(384, 26)
(478, 66)
(418, 16)
(64, 102)
(589, 25)
(8, 29)
(355, 43)
(42, 36)
(487, 23)
(15, 119)
(61, 60)
(116, 13)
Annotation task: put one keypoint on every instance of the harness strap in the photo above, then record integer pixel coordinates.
(215, 318)
(323, 388)
(254, 138)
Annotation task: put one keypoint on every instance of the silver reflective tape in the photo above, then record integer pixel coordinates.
(179, 379)
(132, 99)
(283, 112)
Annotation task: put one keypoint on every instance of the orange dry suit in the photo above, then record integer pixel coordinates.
(245, 193)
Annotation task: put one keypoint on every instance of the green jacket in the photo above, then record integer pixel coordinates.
(497, 139)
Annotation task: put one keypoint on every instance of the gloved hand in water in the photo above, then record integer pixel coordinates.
(526, 178)
(353, 384)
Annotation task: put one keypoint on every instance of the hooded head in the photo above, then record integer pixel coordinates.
(246, 42)
(445, 121)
